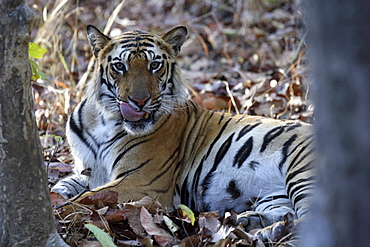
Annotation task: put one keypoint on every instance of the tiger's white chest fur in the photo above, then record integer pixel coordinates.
(94, 148)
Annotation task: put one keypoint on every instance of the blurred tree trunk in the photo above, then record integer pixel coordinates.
(340, 55)
(25, 211)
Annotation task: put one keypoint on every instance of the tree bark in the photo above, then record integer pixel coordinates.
(339, 42)
(25, 211)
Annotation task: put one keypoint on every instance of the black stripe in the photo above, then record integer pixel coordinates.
(132, 170)
(146, 44)
(240, 119)
(102, 95)
(79, 130)
(85, 133)
(303, 158)
(166, 170)
(285, 149)
(105, 82)
(197, 177)
(177, 190)
(161, 191)
(300, 182)
(304, 212)
(233, 190)
(167, 81)
(291, 164)
(180, 163)
(253, 165)
(126, 40)
(272, 198)
(294, 162)
(188, 111)
(243, 153)
(170, 158)
(210, 116)
(73, 186)
(144, 136)
(302, 142)
(302, 187)
(119, 135)
(298, 172)
(222, 151)
(128, 149)
(184, 195)
(219, 156)
(128, 45)
(300, 197)
(272, 207)
(217, 138)
(92, 138)
(195, 107)
(102, 119)
(83, 103)
(292, 126)
(247, 129)
(221, 118)
(78, 183)
(163, 74)
(271, 135)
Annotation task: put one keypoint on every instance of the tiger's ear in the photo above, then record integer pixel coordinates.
(96, 39)
(176, 38)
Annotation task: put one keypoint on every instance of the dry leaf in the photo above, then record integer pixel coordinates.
(212, 226)
(56, 199)
(115, 216)
(107, 197)
(133, 216)
(152, 205)
(160, 235)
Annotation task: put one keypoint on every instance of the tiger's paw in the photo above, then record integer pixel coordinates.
(278, 230)
(62, 191)
(250, 220)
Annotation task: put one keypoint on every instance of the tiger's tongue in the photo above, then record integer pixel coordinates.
(129, 114)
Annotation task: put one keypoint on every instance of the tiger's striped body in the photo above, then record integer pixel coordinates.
(137, 133)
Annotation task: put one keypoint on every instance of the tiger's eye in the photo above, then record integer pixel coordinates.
(119, 66)
(154, 65)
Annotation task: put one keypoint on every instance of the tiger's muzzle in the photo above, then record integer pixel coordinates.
(130, 115)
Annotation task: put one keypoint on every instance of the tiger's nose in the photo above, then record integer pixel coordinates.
(140, 102)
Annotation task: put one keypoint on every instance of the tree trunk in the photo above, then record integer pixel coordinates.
(340, 53)
(25, 211)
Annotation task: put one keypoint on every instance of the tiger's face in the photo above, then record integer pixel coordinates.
(137, 76)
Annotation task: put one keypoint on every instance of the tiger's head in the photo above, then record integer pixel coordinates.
(137, 76)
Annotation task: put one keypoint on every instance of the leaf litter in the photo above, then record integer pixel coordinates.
(147, 223)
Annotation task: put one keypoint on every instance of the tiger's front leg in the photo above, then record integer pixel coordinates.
(76, 183)
(70, 186)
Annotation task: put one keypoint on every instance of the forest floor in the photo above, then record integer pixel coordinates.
(244, 57)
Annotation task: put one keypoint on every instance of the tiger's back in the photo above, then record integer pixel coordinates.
(138, 134)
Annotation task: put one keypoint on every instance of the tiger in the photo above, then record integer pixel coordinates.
(137, 132)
